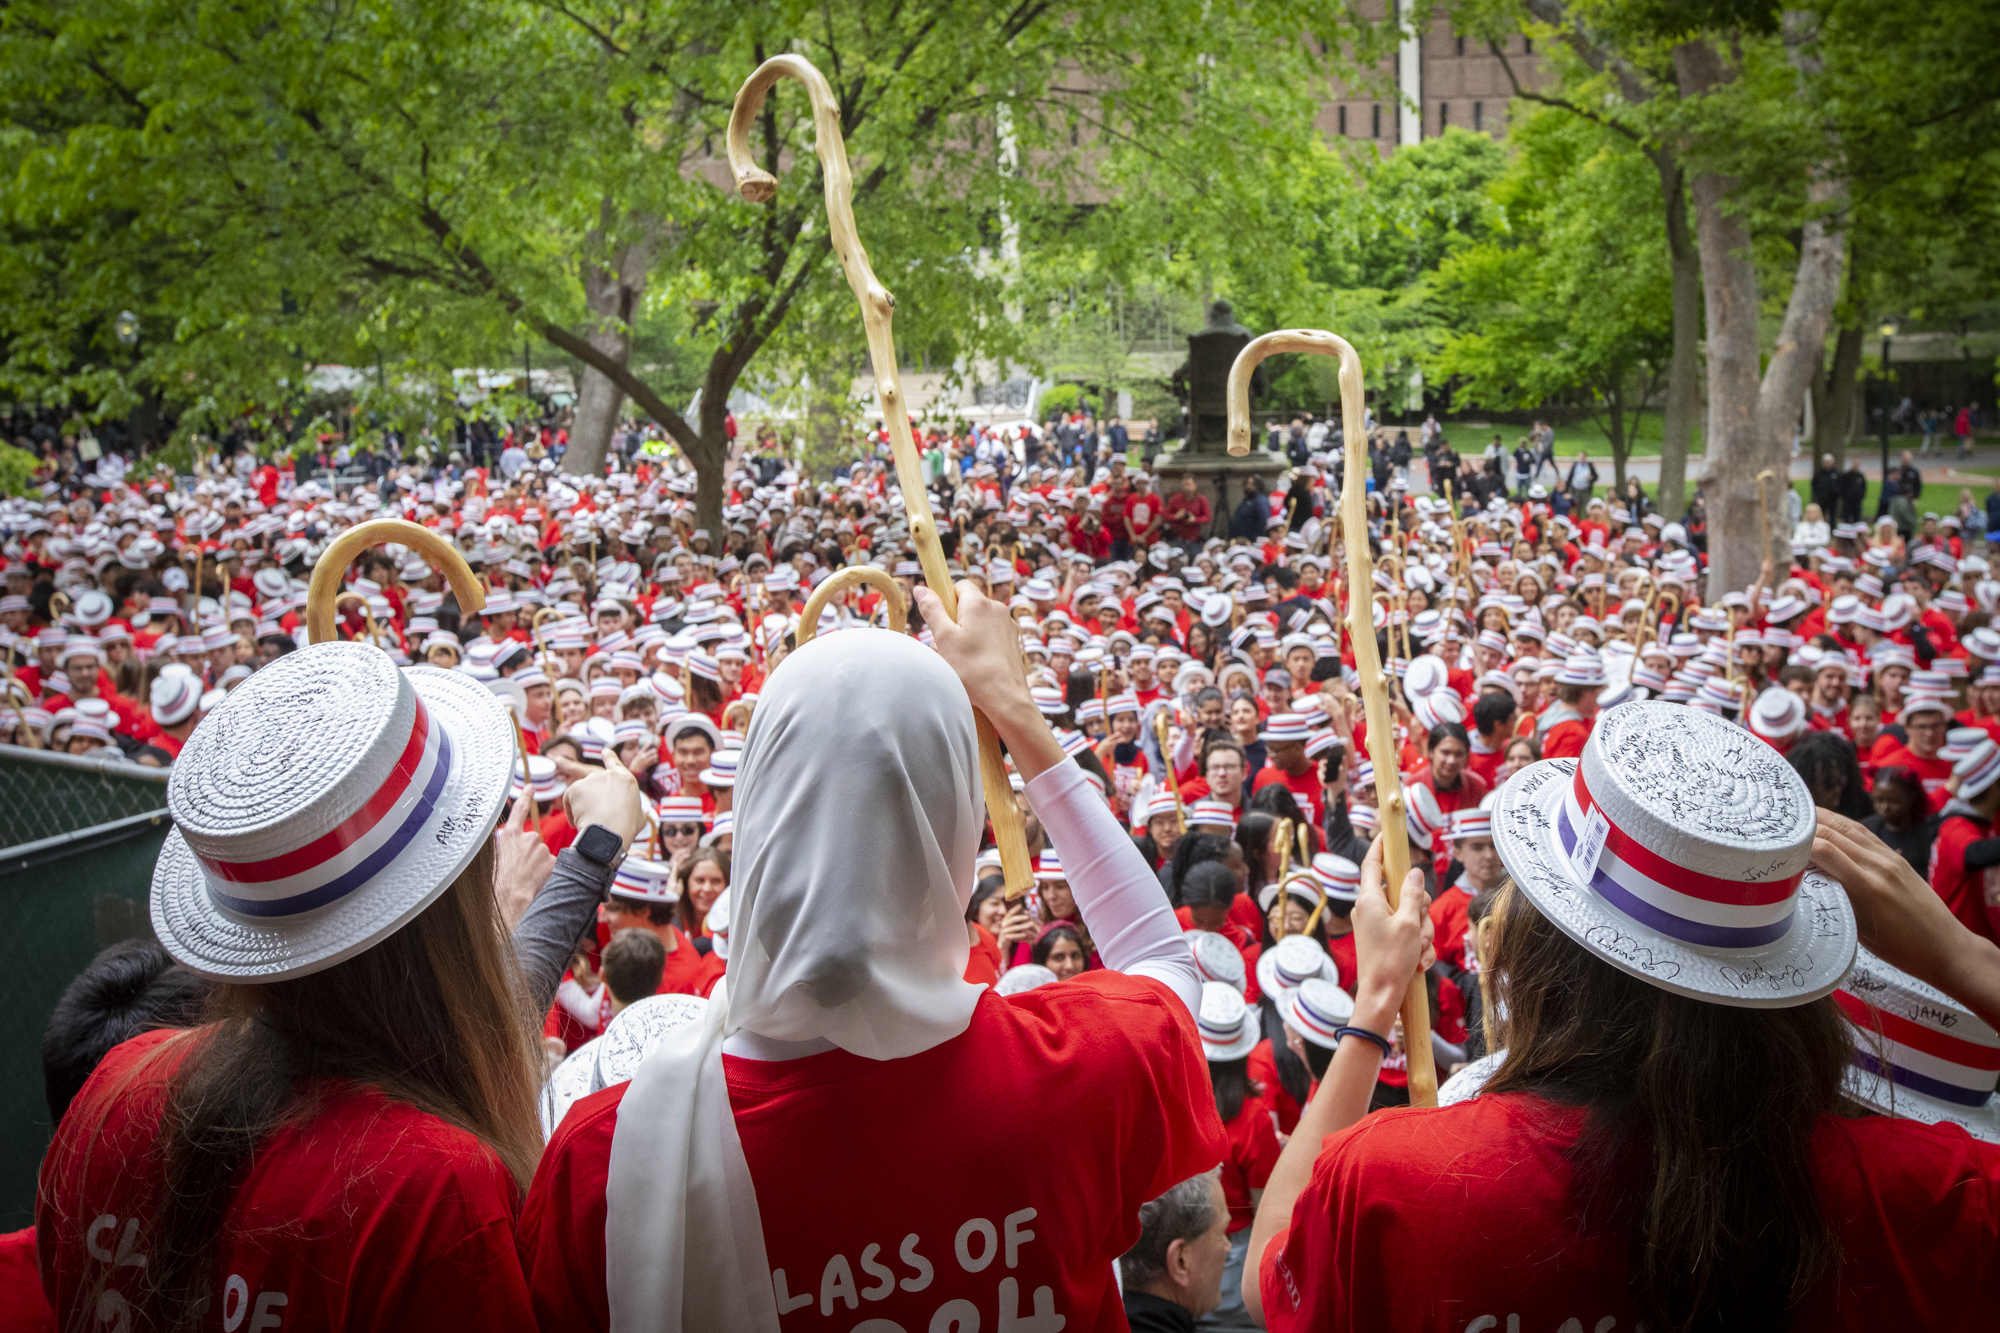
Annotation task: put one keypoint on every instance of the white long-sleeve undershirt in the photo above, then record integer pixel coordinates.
(1134, 929)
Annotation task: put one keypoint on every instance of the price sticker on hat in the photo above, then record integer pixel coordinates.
(1589, 845)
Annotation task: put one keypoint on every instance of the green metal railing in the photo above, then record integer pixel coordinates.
(78, 838)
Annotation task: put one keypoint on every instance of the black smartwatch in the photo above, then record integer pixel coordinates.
(598, 843)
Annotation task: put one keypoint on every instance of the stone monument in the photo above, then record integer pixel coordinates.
(1203, 384)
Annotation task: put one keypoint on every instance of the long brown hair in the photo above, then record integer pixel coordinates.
(433, 1016)
(1701, 1119)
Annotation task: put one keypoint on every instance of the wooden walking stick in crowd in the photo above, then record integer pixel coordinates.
(1304, 836)
(340, 552)
(854, 576)
(1281, 833)
(527, 778)
(1167, 763)
(1367, 662)
(542, 616)
(877, 312)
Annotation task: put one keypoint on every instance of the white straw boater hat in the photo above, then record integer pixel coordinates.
(1229, 1028)
(326, 802)
(1676, 849)
(1918, 1053)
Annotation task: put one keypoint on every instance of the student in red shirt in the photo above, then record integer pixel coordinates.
(1230, 1031)
(1615, 1087)
(345, 1147)
(1188, 512)
(849, 1049)
(1925, 720)
(1285, 736)
(1967, 818)
(644, 896)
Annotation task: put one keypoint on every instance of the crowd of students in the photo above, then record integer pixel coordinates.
(702, 1001)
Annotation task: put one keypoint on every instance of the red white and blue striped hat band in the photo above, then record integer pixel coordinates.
(1676, 849)
(1978, 770)
(1301, 884)
(1338, 876)
(682, 810)
(1283, 727)
(1910, 1038)
(548, 783)
(1220, 814)
(1468, 824)
(1229, 1029)
(1365, 818)
(1049, 865)
(1317, 1009)
(320, 805)
(652, 881)
(1321, 743)
(1292, 961)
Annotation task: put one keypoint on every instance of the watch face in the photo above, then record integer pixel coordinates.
(598, 843)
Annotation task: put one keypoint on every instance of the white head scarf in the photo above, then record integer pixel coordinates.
(858, 813)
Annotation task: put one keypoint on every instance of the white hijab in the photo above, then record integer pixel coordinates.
(858, 813)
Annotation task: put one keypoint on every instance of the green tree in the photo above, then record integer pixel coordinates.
(1571, 299)
(277, 183)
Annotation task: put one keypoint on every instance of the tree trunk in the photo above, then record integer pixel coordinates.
(611, 289)
(1833, 398)
(1684, 371)
(1620, 445)
(1751, 418)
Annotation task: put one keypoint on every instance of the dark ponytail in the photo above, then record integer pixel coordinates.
(1699, 1139)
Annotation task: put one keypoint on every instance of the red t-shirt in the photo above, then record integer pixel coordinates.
(1565, 739)
(1305, 787)
(1264, 1073)
(368, 1213)
(1112, 1059)
(25, 1310)
(1449, 924)
(1188, 516)
(1253, 1151)
(1963, 890)
(1462, 1218)
(689, 971)
(982, 963)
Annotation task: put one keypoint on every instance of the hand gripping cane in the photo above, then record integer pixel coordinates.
(877, 310)
(1360, 628)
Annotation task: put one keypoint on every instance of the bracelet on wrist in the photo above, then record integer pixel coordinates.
(1365, 1035)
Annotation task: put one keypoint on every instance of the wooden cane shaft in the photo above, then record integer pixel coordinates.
(340, 553)
(527, 778)
(877, 312)
(1367, 662)
(854, 576)
(1167, 763)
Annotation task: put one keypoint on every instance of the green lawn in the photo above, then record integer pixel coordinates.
(1583, 436)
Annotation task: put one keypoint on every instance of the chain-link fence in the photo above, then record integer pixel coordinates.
(44, 795)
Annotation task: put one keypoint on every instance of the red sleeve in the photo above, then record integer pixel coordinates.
(561, 1234)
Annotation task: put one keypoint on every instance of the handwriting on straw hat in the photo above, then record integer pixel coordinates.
(1629, 950)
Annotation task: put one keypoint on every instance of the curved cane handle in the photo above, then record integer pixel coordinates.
(1375, 682)
(878, 309)
(333, 563)
(1282, 340)
(854, 576)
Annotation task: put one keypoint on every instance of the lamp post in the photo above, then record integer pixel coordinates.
(1888, 331)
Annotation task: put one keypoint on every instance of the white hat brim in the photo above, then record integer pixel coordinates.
(225, 946)
(1802, 965)
(1878, 1093)
(1468, 1082)
(1271, 984)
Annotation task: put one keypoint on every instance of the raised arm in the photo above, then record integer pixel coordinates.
(1134, 929)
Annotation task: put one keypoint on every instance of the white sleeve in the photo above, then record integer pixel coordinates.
(1119, 895)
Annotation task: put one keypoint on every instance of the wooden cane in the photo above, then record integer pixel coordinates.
(541, 617)
(877, 312)
(854, 576)
(1304, 836)
(333, 563)
(1281, 833)
(1367, 662)
(1313, 920)
(56, 615)
(527, 778)
(1167, 763)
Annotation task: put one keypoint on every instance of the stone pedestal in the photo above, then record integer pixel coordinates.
(1220, 477)
(1203, 382)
